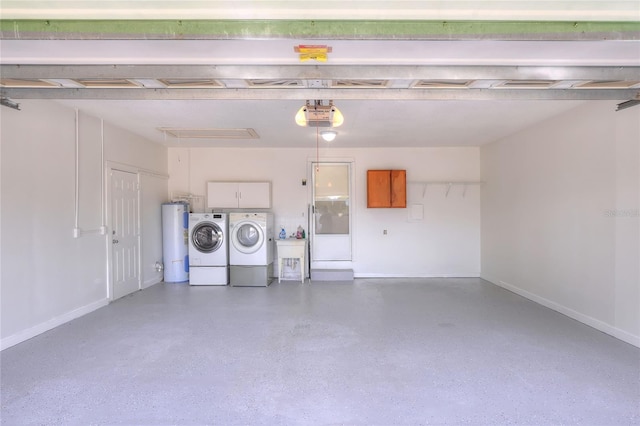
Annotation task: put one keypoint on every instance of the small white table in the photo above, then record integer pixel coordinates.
(291, 248)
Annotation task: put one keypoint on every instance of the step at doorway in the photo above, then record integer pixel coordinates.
(332, 275)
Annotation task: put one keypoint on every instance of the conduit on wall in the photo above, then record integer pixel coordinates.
(188, 196)
(76, 228)
(103, 224)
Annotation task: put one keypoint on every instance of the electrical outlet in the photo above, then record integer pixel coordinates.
(384, 232)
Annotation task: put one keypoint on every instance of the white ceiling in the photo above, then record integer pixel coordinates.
(369, 123)
(370, 120)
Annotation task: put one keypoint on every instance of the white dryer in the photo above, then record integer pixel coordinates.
(250, 248)
(208, 249)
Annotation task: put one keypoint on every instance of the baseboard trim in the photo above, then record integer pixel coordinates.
(461, 275)
(585, 319)
(153, 281)
(27, 334)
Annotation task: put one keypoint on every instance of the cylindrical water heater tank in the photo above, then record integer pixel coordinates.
(175, 241)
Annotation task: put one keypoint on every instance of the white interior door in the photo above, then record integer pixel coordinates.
(331, 223)
(125, 233)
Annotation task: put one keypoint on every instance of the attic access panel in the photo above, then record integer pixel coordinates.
(194, 133)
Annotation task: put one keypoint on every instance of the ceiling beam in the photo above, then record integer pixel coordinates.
(388, 28)
(336, 94)
(321, 72)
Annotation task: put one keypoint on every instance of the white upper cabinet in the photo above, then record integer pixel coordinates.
(232, 195)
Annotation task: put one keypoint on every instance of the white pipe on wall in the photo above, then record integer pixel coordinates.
(76, 229)
(103, 225)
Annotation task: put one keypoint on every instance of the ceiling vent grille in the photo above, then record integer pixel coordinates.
(442, 84)
(527, 84)
(613, 84)
(106, 83)
(25, 83)
(190, 83)
(270, 83)
(359, 84)
(193, 133)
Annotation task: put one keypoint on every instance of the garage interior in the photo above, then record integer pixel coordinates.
(513, 297)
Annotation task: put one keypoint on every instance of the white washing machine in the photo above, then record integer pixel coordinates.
(208, 249)
(251, 249)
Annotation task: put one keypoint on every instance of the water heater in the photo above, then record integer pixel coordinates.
(175, 241)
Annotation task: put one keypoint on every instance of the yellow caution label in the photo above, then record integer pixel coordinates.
(321, 57)
(313, 52)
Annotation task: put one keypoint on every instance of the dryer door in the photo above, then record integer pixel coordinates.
(207, 237)
(247, 237)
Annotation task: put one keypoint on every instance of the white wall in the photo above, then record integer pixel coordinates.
(559, 211)
(154, 193)
(445, 243)
(560, 220)
(49, 277)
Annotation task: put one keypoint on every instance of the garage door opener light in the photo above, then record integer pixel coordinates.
(315, 114)
(328, 135)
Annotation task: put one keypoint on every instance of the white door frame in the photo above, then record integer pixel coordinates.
(352, 212)
(109, 167)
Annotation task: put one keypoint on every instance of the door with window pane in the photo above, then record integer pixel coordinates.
(331, 224)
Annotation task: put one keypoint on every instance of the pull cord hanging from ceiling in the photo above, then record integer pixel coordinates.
(317, 149)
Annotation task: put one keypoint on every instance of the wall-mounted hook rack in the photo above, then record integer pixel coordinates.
(449, 185)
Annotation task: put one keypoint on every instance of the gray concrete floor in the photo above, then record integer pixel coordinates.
(374, 352)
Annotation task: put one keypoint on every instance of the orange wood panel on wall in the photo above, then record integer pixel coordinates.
(386, 188)
(399, 188)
